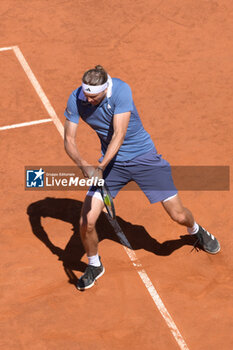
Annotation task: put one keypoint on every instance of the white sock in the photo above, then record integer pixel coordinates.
(194, 229)
(94, 260)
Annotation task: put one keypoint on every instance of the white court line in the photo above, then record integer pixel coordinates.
(38, 89)
(131, 254)
(6, 48)
(20, 125)
(149, 285)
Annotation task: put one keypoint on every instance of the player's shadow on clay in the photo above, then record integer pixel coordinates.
(69, 210)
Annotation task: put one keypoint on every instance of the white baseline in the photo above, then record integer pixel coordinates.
(6, 48)
(20, 125)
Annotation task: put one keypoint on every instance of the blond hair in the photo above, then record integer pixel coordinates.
(95, 76)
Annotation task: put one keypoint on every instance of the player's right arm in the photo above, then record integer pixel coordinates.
(70, 132)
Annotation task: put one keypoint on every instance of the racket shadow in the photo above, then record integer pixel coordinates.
(139, 238)
(68, 210)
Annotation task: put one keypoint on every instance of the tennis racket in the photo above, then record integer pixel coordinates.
(108, 201)
(111, 215)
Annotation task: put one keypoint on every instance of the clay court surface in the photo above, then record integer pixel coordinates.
(177, 57)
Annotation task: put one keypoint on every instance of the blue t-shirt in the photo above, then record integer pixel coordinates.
(119, 100)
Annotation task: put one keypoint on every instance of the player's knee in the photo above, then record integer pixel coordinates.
(179, 217)
(86, 224)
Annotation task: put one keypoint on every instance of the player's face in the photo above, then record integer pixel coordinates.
(97, 98)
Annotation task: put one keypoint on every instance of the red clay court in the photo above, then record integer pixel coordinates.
(155, 293)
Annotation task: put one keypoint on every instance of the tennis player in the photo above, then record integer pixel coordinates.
(128, 154)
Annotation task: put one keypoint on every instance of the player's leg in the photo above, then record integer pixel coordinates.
(183, 216)
(91, 210)
(115, 177)
(177, 211)
(153, 175)
(92, 207)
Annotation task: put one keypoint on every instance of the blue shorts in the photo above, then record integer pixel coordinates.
(150, 171)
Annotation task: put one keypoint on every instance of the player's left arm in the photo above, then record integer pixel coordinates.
(120, 125)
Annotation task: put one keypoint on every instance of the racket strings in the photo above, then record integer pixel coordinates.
(108, 202)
